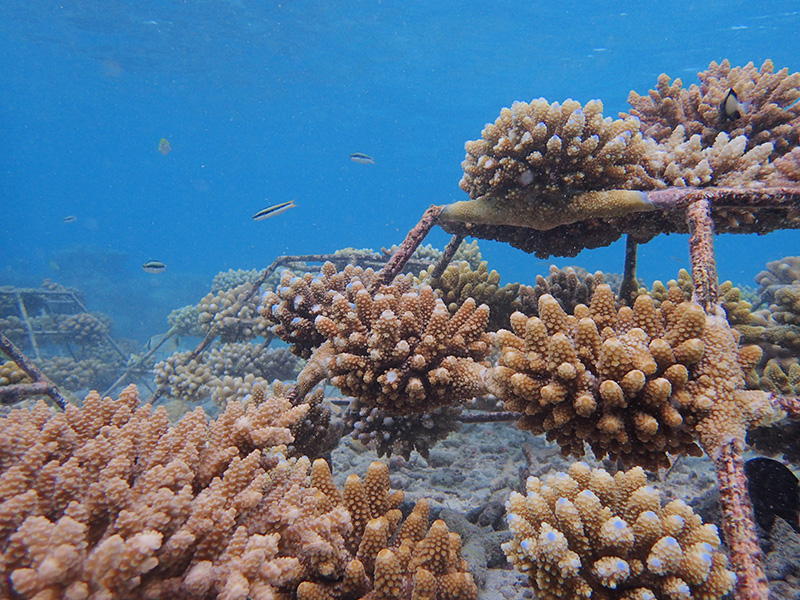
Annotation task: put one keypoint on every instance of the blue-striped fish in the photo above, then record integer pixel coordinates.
(362, 159)
(273, 210)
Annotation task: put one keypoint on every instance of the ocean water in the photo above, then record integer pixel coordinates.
(263, 102)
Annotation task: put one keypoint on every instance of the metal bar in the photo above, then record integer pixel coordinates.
(28, 327)
(449, 251)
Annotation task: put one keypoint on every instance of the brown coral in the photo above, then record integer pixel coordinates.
(298, 301)
(612, 378)
(401, 350)
(586, 534)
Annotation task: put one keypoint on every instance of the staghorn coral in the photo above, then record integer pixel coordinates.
(298, 301)
(186, 377)
(586, 534)
(401, 350)
(460, 281)
(541, 165)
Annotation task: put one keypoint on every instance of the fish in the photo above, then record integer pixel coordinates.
(774, 492)
(54, 265)
(164, 147)
(731, 109)
(275, 209)
(70, 219)
(362, 159)
(154, 266)
(168, 347)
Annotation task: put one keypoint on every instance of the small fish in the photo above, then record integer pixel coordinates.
(164, 147)
(774, 491)
(154, 266)
(273, 210)
(168, 347)
(54, 265)
(362, 159)
(730, 109)
(70, 219)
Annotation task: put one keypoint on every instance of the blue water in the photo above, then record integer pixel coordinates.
(263, 102)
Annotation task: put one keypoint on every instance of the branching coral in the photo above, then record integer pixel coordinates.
(460, 281)
(541, 165)
(610, 378)
(401, 350)
(298, 301)
(109, 501)
(234, 319)
(396, 560)
(586, 534)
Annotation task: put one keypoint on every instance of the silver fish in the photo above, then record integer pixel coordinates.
(273, 210)
(154, 266)
(362, 159)
(70, 219)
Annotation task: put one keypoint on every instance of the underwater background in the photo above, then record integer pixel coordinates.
(263, 102)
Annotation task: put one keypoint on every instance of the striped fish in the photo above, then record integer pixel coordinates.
(273, 210)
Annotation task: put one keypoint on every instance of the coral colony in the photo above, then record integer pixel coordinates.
(110, 500)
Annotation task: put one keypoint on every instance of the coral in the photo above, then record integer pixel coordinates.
(10, 374)
(389, 434)
(401, 350)
(243, 358)
(772, 117)
(541, 165)
(613, 378)
(234, 319)
(460, 281)
(185, 321)
(298, 301)
(186, 377)
(108, 500)
(227, 280)
(586, 534)
(392, 559)
(569, 287)
(85, 328)
(778, 273)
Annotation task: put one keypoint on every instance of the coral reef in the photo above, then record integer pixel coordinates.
(773, 116)
(109, 501)
(569, 287)
(388, 433)
(225, 372)
(185, 321)
(586, 534)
